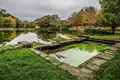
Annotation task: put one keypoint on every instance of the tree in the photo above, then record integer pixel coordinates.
(12, 20)
(3, 11)
(89, 14)
(56, 17)
(48, 21)
(86, 16)
(110, 13)
(7, 23)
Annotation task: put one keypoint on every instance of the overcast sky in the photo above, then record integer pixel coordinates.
(32, 9)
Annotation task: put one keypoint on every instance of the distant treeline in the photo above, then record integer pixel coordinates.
(109, 16)
(9, 21)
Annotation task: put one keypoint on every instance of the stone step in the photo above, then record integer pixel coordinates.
(72, 70)
(39, 52)
(53, 61)
(117, 45)
(36, 51)
(111, 48)
(95, 63)
(85, 76)
(109, 52)
(92, 67)
(105, 56)
(98, 61)
(85, 70)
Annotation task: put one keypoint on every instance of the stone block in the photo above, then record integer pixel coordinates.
(117, 45)
(109, 52)
(53, 60)
(105, 56)
(92, 66)
(86, 70)
(111, 48)
(98, 61)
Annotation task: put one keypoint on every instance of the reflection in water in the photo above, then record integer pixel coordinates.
(7, 36)
(42, 36)
(45, 35)
(30, 37)
(74, 56)
(62, 36)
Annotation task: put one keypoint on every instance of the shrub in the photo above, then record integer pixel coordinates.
(118, 52)
(66, 25)
(50, 29)
(95, 32)
(64, 29)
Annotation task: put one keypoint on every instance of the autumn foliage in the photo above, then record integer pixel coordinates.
(86, 16)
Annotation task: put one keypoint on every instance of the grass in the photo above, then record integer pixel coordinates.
(109, 70)
(10, 47)
(113, 37)
(88, 46)
(101, 34)
(108, 28)
(24, 64)
(36, 44)
(59, 39)
(118, 52)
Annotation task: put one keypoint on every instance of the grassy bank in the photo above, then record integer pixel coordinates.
(102, 33)
(88, 46)
(112, 37)
(10, 47)
(109, 70)
(24, 64)
(59, 39)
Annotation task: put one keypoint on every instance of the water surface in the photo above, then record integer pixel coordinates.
(75, 56)
(43, 37)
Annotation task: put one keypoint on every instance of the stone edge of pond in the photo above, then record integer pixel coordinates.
(85, 70)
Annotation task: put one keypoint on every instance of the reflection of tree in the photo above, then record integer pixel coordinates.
(1, 37)
(8, 35)
(45, 34)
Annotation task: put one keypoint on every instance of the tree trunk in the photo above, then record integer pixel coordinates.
(113, 29)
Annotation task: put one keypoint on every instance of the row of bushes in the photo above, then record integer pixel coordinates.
(53, 29)
(95, 32)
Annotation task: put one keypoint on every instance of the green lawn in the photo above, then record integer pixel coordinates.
(113, 37)
(109, 70)
(24, 64)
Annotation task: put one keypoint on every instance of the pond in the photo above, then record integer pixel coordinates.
(77, 54)
(43, 37)
(73, 55)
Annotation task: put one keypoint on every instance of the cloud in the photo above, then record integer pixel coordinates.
(32, 9)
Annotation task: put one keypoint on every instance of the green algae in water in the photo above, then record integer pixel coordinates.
(77, 54)
(86, 45)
